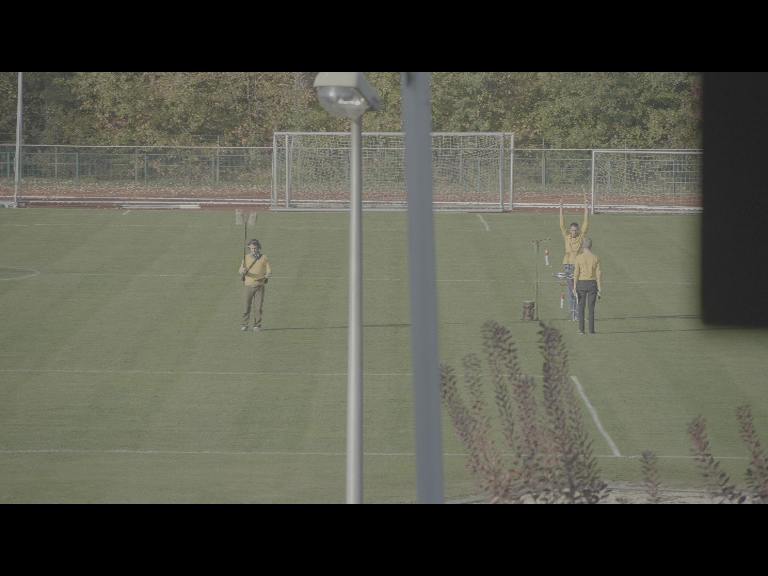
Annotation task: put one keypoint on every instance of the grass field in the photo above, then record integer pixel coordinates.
(124, 376)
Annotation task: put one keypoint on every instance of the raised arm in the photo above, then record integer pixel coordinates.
(585, 226)
(562, 222)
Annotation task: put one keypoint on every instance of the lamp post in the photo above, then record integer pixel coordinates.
(350, 95)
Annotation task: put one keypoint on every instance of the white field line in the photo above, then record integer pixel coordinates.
(33, 273)
(487, 229)
(254, 453)
(191, 373)
(314, 278)
(126, 212)
(280, 228)
(593, 412)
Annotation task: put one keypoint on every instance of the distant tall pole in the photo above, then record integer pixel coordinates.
(417, 125)
(17, 160)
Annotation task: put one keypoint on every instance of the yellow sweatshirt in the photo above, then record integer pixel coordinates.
(573, 245)
(587, 267)
(260, 268)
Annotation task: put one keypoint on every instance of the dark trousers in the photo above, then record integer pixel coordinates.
(253, 298)
(587, 292)
(569, 290)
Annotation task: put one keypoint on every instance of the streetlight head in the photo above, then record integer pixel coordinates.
(346, 94)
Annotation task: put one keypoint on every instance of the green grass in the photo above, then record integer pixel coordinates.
(124, 376)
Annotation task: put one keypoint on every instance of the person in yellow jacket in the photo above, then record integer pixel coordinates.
(256, 270)
(573, 238)
(587, 278)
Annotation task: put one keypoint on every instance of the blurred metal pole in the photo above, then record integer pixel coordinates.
(355, 336)
(417, 124)
(17, 162)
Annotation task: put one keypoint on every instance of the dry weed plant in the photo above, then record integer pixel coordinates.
(548, 455)
(757, 471)
(716, 480)
(650, 464)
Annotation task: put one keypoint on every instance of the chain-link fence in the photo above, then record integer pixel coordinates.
(198, 173)
(470, 171)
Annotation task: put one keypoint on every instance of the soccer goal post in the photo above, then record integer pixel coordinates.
(311, 171)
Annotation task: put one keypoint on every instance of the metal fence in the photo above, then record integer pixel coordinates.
(212, 174)
(613, 180)
(470, 172)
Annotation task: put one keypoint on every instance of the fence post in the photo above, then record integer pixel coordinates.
(287, 173)
(288, 159)
(501, 172)
(77, 169)
(592, 180)
(273, 201)
(512, 171)
(674, 188)
(146, 168)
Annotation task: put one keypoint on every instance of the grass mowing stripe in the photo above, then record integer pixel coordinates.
(483, 280)
(253, 453)
(194, 373)
(180, 376)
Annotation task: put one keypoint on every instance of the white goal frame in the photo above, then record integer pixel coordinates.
(310, 171)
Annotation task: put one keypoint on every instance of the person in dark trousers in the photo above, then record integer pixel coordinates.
(587, 277)
(256, 270)
(573, 238)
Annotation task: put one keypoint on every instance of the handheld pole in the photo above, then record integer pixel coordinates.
(245, 247)
(536, 283)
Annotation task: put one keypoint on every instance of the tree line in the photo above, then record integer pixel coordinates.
(544, 109)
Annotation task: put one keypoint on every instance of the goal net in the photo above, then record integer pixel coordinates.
(312, 170)
(647, 180)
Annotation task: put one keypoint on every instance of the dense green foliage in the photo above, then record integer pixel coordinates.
(556, 109)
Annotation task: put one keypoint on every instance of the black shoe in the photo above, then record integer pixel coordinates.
(593, 332)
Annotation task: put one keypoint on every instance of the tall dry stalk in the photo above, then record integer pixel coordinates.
(757, 471)
(550, 458)
(716, 480)
(650, 464)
